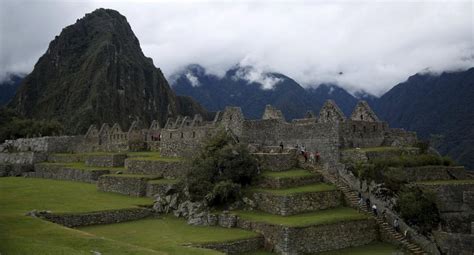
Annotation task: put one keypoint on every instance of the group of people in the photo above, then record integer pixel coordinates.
(373, 208)
(307, 155)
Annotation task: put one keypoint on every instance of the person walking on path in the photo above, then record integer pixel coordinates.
(396, 225)
(374, 210)
(360, 204)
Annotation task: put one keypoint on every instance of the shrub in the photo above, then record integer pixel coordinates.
(220, 170)
(418, 207)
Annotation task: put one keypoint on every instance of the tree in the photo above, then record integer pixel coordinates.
(220, 170)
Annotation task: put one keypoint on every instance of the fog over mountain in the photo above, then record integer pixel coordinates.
(358, 45)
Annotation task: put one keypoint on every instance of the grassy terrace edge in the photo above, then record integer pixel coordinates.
(319, 187)
(323, 217)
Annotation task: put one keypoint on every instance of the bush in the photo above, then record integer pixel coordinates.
(418, 208)
(220, 170)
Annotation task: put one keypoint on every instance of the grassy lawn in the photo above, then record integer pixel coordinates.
(370, 249)
(83, 166)
(314, 218)
(168, 234)
(320, 187)
(446, 182)
(294, 173)
(21, 234)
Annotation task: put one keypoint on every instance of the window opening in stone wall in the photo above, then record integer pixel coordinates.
(194, 134)
(361, 117)
(182, 135)
(365, 129)
(171, 135)
(353, 128)
(375, 128)
(230, 117)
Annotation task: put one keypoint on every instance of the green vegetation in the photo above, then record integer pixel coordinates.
(167, 234)
(413, 161)
(21, 234)
(293, 173)
(418, 207)
(320, 187)
(314, 218)
(13, 126)
(370, 249)
(220, 170)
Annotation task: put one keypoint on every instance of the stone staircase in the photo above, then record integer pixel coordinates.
(297, 213)
(352, 200)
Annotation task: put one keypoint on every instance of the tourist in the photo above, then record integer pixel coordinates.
(367, 204)
(396, 225)
(374, 209)
(359, 203)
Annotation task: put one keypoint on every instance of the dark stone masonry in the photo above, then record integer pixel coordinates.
(297, 203)
(132, 185)
(96, 218)
(59, 172)
(166, 169)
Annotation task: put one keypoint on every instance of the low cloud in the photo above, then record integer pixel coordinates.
(359, 45)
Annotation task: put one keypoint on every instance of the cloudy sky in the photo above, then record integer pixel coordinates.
(374, 44)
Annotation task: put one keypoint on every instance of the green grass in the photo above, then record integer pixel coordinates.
(320, 187)
(293, 173)
(168, 234)
(314, 218)
(21, 234)
(370, 249)
(446, 182)
(83, 166)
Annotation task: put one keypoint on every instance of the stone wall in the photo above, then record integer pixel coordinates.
(236, 247)
(313, 239)
(455, 244)
(297, 203)
(322, 137)
(455, 203)
(52, 144)
(362, 134)
(58, 172)
(106, 160)
(281, 183)
(184, 142)
(165, 169)
(14, 169)
(426, 173)
(399, 137)
(66, 158)
(276, 161)
(124, 184)
(100, 217)
(158, 189)
(22, 158)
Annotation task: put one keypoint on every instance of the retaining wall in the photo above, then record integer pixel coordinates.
(166, 169)
(124, 184)
(297, 203)
(277, 161)
(236, 247)
(281, 183)
(108, 160)
(59, 172)
(99, 217)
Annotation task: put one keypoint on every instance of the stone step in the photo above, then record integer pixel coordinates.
(288, 179)
(166, 167)
(71, 172)
(310, 233)
(160, 187)
(66, 157)
(297, 200)
(127, 184)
